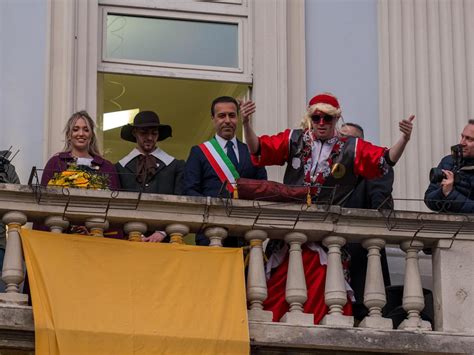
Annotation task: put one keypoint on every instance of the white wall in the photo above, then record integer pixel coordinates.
(22, 80)
(426, 69)
(342, 58)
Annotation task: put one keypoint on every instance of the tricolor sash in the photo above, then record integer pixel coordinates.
(221, 163)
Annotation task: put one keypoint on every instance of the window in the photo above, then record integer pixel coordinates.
(167, 41)
(184, 104)
(174, 59)
(179, 44)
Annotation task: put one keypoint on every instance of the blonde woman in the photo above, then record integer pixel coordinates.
(80, 149)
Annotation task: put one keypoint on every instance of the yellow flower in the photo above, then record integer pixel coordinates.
(75, 177)
(80, 181)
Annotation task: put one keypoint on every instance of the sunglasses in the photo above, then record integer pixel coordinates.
(325, 118)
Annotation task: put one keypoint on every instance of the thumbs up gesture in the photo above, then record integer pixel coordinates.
(406, 127)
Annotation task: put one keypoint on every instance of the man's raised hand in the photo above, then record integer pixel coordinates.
(247, 108)
(406, 127)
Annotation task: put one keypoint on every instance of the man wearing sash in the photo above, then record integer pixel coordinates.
(213, 166)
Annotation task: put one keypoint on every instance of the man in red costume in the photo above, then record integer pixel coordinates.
(317, 156)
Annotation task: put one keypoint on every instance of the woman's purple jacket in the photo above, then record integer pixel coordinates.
(60, 161)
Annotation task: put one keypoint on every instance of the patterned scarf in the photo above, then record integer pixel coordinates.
(146, 168)
(318, 179)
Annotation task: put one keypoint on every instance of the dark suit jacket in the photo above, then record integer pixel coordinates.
(461, 198)
(167, 179)
(200, 179)
(371, 194)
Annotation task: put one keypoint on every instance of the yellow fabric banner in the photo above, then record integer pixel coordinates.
(103, 296)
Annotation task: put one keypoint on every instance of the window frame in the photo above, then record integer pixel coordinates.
(223, 7)
(240, 74)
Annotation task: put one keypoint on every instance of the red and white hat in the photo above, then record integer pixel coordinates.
(326, 103)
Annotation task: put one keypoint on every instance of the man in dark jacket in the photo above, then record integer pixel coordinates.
(455, 191)
(219, 161)
(368, 194)
(148, 168)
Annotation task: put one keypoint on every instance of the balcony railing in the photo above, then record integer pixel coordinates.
(451, 238)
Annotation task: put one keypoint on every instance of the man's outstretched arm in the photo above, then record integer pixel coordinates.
(406, 127)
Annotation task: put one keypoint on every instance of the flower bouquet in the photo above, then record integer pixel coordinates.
(79, 177)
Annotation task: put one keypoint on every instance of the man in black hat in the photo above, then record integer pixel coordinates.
(147, 168)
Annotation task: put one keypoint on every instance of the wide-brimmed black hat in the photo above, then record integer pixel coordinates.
(145, 119)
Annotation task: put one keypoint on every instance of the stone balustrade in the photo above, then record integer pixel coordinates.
(219, 219)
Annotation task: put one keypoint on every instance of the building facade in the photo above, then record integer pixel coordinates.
(383, 59)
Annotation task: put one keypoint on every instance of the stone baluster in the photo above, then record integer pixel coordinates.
(97, 226)
(374, 292)
(296, 292)
(177, 231)
(13, 273)
(216, 236)
(335, 293)
(56, 224)
(135, 230)
(413, 299)
(256, 281)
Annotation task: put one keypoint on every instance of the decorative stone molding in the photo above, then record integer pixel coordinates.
(97, 226)
(296, 291)
(56, 224)
(374, 292)
(135, 230)
(335, 293)
(216, 236)
(413, 299)
(177, 231)
(12, 272)
(256, 280)
(355, 225)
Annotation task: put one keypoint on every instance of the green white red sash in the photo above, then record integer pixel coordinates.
(220, 162)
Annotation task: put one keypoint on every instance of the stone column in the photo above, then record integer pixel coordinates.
(413, 299)
(12, 273)
(374, 292)
(135, 230)
(56, 224)
(216, 235)
(335, 293)
(256, 281)
(453, 295)
(97, 226)
(177, 231)
(296, 292)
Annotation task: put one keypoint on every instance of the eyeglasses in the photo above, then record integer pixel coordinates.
(325, 118)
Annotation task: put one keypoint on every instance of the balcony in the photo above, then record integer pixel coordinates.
(450, 237)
